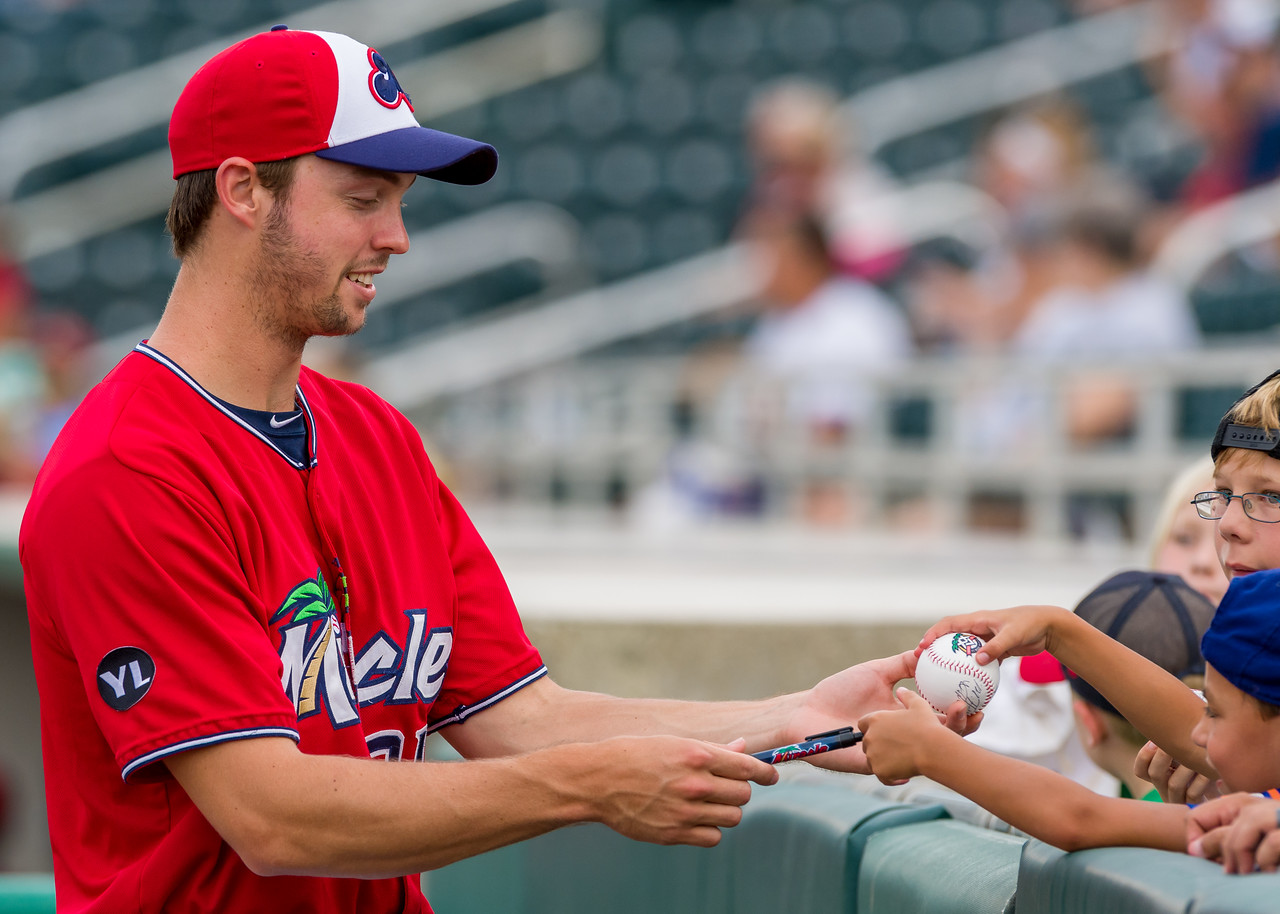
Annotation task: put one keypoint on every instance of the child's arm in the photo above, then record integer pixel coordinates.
(1036, 800)
(1156, 702)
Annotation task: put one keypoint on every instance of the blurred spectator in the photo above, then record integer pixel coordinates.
(1222, 81)
(1027, 161)
(824, 336)
(805, 161)
(62, 340)
(1102, 303)
(807, 367)
(21, 375)
(1181, 542)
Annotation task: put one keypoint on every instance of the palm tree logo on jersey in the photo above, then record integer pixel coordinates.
(308, 623)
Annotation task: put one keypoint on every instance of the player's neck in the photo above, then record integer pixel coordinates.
(207, 329)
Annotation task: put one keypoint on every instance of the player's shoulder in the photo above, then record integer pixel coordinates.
(349, 401)
(138, 409)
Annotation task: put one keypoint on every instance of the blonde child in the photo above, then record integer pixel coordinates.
(1183, 544)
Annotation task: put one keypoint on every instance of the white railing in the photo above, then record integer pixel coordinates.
(588, 431)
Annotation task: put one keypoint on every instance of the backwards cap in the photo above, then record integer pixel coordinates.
(1154, 614)
(1243, 643)
(285, 92)
(1249, 437)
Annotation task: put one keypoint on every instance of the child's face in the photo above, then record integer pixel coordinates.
(1240, 742)
(1244, 544)
(1191, 550)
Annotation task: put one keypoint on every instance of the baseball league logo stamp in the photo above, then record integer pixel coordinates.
(965, 643)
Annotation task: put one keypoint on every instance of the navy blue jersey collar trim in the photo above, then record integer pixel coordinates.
(213, 401)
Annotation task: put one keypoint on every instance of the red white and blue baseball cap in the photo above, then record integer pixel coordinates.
(288, 92)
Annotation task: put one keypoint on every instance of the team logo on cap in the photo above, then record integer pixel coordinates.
(384, 85)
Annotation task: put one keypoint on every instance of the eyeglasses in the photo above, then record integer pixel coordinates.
(1257, 505)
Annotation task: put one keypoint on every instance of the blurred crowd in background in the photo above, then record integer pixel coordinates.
(842, 299)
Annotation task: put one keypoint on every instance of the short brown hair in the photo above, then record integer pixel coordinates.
(196, 193)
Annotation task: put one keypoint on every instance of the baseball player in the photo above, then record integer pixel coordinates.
(245, 580)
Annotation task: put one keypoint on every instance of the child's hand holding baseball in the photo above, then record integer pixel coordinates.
(897, 743)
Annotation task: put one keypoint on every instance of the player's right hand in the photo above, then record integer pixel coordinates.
(672, 790)
(1018, 631)
(1175, 783)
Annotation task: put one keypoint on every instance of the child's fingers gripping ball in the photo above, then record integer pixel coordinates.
(947, 672)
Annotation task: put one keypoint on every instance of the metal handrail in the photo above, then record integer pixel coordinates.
(137, 189)
(539, 233)
(491, 349)
(1012, 72)
(120, 106)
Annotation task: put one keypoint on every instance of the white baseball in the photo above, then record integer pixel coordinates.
(947, 671)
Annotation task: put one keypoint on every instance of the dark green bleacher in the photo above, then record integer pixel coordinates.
(828, 848)
(644, 148)
(26, 893)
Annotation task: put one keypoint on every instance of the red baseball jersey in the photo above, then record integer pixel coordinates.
(184, 589)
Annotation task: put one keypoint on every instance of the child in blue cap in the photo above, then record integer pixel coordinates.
(1237, 731)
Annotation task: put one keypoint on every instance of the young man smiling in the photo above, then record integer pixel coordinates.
(245, 580)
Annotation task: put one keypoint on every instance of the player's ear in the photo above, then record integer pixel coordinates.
(239, 191)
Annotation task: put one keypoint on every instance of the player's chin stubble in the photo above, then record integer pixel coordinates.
(282, 274)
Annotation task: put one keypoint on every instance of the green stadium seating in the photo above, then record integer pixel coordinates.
(1114, 880)
(26, 893)
(799, 847)
(1258, 893)
(943, 867)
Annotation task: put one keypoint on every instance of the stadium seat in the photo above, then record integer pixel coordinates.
(1253, 894)
(798, 847)
(26, 893)
(943, 867)
(1114, 880)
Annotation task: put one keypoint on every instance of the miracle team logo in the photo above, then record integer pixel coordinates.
(964, 643)
(384, 85)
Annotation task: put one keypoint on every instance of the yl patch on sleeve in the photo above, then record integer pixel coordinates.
(124, 677)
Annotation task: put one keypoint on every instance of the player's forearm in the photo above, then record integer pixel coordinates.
(1155, 702)
(1046, 805)
(328, 815)
(548, 715)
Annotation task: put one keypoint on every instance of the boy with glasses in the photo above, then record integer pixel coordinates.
(1245, 506)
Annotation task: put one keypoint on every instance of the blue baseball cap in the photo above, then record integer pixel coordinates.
(1243, 640)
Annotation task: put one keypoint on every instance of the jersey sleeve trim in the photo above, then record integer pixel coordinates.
(465, 711)
(203, 741)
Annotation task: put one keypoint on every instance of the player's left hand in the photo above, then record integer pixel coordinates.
(894, 742)
(848, 695)
(1240, 830)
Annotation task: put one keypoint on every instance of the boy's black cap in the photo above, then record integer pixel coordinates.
(1155, 614)
(1229, 434)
